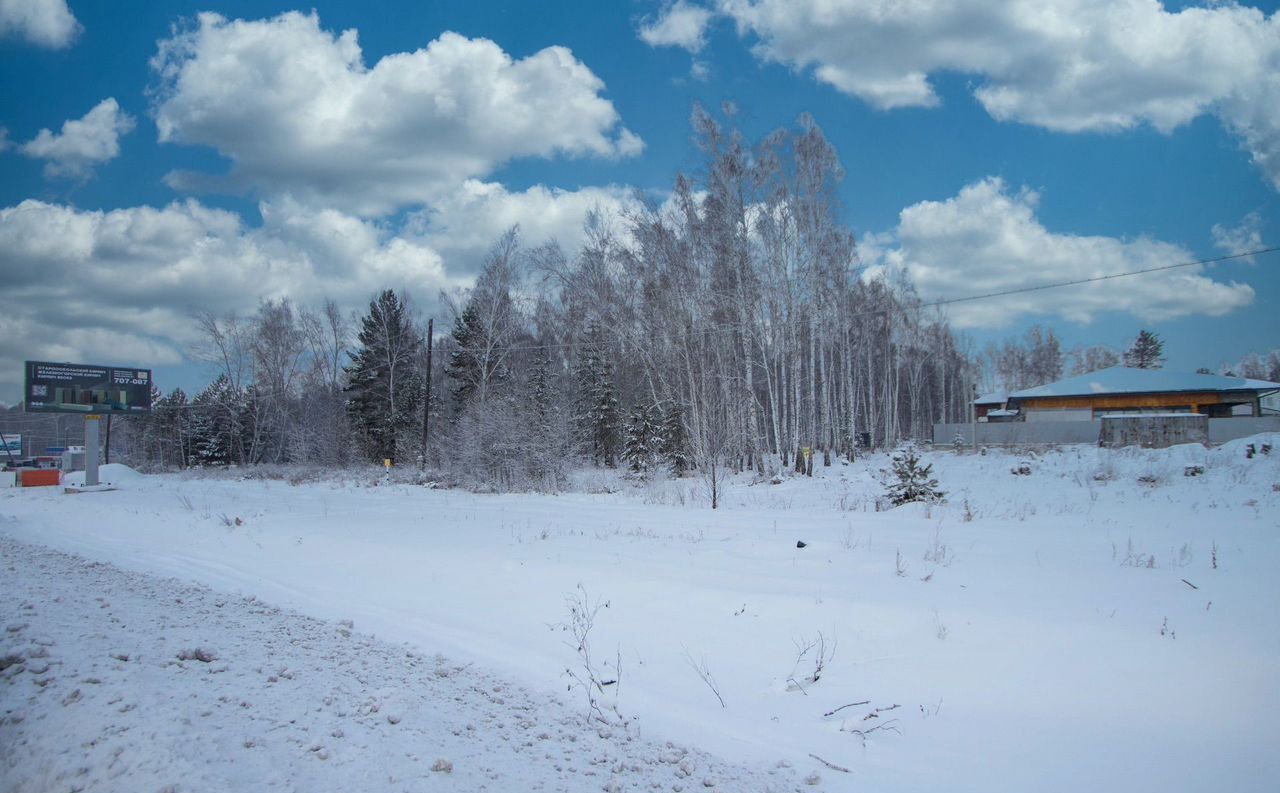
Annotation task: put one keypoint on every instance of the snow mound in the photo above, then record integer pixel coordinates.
(109, 474)
(1237, 447)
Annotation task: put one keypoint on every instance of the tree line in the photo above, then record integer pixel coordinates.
(724, 329)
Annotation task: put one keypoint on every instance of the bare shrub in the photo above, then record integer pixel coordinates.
(704, 673)
(812, 654)
(1132, 557)
(591, 675)
(939, 552)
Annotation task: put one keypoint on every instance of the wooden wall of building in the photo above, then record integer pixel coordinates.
(1195, 401)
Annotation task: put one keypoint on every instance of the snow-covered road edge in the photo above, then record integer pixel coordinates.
(115, 680)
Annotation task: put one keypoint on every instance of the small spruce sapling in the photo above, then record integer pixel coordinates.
(909, 481)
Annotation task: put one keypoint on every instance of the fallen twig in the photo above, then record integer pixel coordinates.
(832, 766)
(1188, 583)
(850, 705)
(875, 714)
(891, 724)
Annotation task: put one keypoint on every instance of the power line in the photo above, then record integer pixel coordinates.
(1096, 278)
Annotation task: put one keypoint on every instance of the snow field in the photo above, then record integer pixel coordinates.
(1103, 621)
(122, 681)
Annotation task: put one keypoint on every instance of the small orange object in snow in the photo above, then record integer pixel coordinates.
(40, 477)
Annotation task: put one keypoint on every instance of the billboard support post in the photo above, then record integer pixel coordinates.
(91, 450)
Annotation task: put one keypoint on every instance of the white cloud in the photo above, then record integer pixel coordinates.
(464, 225)
(1253, 114)
(47, 23)
(988, 239)
(296, 110)
(678, 24)
(92, 285)
(1066, 65)
(1245, 237)
(83, 143)
(79, 283)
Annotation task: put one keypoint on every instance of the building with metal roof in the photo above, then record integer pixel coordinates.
(1122, 390)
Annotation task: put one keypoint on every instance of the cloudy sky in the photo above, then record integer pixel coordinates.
(162, 158)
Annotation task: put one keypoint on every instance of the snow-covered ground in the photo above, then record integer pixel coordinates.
(121, 681)
(1102, 622)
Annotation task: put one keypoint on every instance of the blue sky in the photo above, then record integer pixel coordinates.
(260, 151)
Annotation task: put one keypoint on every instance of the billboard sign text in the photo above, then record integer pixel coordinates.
(86, 389)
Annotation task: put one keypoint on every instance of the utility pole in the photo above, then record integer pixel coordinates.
(973, 418)
(107, 451)
(426, 401)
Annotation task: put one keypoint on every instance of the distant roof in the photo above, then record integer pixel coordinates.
(1123, 380)
(994, 398)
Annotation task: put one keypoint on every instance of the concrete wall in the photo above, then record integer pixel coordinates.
(1154, 431)
(1223, 430)
(1016, 433)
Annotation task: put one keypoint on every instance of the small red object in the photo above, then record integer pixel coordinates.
(40, 477)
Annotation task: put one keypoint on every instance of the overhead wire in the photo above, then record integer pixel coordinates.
(1097, 278)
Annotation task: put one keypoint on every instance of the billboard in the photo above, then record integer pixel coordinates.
(10, 447)
(83, 388)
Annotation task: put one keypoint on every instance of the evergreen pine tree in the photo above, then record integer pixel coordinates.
(643, 445)
(215, 424)
(674, 444)
(384, 387)
(1146, 352)
(463, 366)
(909, 481)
